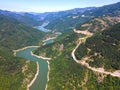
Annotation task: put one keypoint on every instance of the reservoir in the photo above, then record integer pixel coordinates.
(42, 27)
(41, 80)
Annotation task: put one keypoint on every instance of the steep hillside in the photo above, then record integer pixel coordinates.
(70, 20)
(67, 22)
(102, 49)
(104, 10)
(72, 75)
(64, 20)
(36, 19)
(54, 49)
(99, 24)
(51, 16)
(27, 18)
(14, 71)
(17, 34)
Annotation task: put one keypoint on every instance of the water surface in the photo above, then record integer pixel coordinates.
(40, 82)
(42, 27)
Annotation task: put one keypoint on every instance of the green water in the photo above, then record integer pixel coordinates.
(40, 82)
(49, 41)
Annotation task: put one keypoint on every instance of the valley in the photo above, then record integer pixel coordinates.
(76, 49)
(41, 75)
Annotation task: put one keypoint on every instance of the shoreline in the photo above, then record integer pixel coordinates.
(85, 32)
(49, 39)
(37, 72)
(48, 74)
(35, 77)
(15, 51)
(45, 58)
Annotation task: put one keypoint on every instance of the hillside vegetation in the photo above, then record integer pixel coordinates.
(66, 74)
(99, 24)
(54, 49)
(70, 20)
(16, 73)
(14, 34)
(111, 10)
(27, 18)
(103, 49)
(67, 22)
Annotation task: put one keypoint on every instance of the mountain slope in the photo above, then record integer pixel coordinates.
(72, 75)
(103, 49)
(17, 34)
(14, 71)
(70, 20)
(104, 10)
(99, 24)
(27, 18)
(51, 16)
(65, 20)
(37, 19)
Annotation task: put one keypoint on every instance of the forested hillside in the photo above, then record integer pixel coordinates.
(67, 22)
(103, 49)
(17, 34)
(27, 18)
(72, 19)
(99, 24)
(36, 19)
(105, 10)
(14, 35)
(74, 76)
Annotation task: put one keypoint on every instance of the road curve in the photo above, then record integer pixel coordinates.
(84, 63)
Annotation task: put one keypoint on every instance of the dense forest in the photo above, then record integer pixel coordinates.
(66, 74)
(14, 35)
(67, 22)
(17, 34)
(99, 23)
(77, 17)
(106, 45)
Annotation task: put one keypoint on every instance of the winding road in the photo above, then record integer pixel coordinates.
(84, 63)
